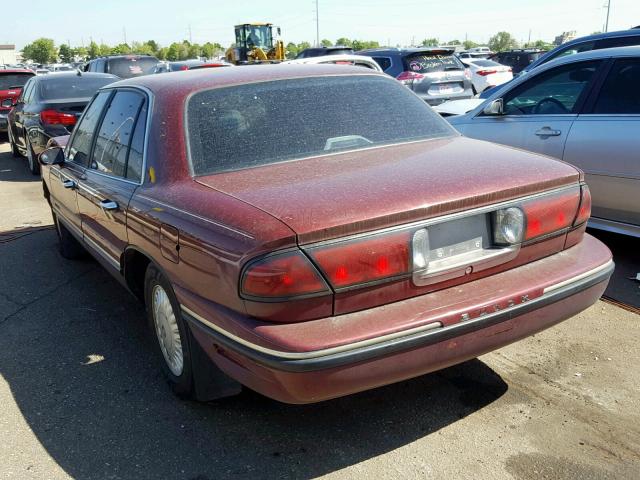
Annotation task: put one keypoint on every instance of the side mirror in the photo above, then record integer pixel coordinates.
(7, 103)
(496, 107)
(52, 156)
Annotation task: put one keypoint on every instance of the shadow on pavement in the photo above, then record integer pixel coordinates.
(74, 351)
(14, 169)
(622, 286)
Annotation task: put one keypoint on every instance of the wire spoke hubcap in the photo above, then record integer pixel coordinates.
(167, 330)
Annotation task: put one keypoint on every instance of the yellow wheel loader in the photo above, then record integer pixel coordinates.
(255, 44)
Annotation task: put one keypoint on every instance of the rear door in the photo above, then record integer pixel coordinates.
(65, 179)
(539, 112)
(17, 115)
(112, 175)
(605, 143)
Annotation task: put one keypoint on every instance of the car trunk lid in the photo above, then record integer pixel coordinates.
(342, 194)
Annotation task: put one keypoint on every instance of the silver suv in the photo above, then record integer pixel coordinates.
(435, 74)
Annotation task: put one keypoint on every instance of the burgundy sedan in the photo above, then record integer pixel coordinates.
(315, 231)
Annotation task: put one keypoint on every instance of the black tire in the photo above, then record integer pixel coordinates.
(182, 384)
(34, 165)
(69, 247)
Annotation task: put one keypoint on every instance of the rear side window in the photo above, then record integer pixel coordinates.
(80, 146)
(618, 42)
(129, 67)
(620, 93)
(115, 133)
(384, 62)
(136, 151)
(243, 126)
(428, 63)
(9, 80)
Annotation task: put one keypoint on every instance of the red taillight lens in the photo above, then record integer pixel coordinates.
(184, 67)
(584, 212)
(484, 73)
(408, 77)
(550, 213)
(284, 275)
(364, 260)
(53, 117)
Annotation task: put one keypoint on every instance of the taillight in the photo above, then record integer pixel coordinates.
(284, 275)
(53, 117)
(184, 67)
(364, 260)
(408, 77)
(584, 212)
(467, 73)
(550, 213)
(484, 73)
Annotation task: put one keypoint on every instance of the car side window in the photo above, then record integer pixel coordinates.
(115, 133)
(620, 93)
(136, 152)
(384, 62)
(618, 42)
(82, 140)
(26, 91)
(554, 92)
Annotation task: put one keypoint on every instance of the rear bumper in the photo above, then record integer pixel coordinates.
(311, 376)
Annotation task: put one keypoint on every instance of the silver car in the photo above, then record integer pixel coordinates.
(584, 109)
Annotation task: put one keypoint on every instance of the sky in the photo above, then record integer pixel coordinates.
(398, 22)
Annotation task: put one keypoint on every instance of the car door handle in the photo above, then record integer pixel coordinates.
(69, 184)
(108, 205)
(548, 132)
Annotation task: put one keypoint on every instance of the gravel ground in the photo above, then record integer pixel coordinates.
(82, 397)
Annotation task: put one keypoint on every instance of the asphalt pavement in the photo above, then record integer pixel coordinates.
(82, 396)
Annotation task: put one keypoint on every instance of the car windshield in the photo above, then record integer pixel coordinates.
(129, 67)
(428, 63)
(8, 80)
(58, 87)
(256, 124)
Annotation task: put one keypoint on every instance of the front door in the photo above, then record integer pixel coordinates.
(65, 179)
(539, 113)
(109, 183)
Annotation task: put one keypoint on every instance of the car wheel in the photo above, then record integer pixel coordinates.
(169, 331)
(34, 166)
(69, 246)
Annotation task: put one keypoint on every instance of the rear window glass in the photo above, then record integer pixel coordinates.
(257, 124)
(8, 80)
(427, 63)
(486, 63)
(59, 87)
(131, 67)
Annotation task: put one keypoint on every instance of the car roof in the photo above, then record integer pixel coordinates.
(207, 78)
(402, 51)
(47, 78)
(600, 36)
(131, 55)
(17, 70)
(631, 51)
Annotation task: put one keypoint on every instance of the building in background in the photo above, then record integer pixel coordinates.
(565, 37)
(8, 54)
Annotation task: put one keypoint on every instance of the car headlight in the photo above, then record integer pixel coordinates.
(508, 226)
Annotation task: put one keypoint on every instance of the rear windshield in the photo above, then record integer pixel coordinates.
(55, 87)
(427, 63)
(486, 63)
(131, 66)
(8, 80)
(249, 125)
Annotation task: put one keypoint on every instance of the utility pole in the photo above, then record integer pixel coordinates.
(124, 34)
(529, 36)
(606, 25)
(317, 25)
(190, 37)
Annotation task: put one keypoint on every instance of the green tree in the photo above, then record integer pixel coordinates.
(42, 50)
(364, 44)
(454, 42)
(291, 50)
(541, 44)
(162, 53)
(195, 51)
(303, 45)
(80, 52)
(469, 44)
(105, 49)
(153, 45)
(430, 42)
(326, 43)
(502, 41)
(65, 53)
(343, 42)
(121, 49)
(94, 50)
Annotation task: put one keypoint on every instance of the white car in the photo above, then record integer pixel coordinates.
(487, 73)
(343, 59)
